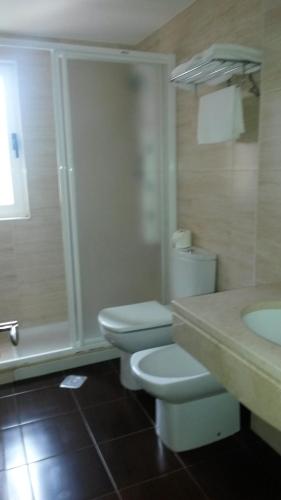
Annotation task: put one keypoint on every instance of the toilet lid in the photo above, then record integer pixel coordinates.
(135, 317)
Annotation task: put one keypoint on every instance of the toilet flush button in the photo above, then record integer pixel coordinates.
(73, 381)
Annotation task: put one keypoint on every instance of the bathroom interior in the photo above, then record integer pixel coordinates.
(140, 182)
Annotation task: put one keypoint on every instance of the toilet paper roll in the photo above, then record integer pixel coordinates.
(182, 238)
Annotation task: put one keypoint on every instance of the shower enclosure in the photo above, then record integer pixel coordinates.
(108, 199)
(32, 272)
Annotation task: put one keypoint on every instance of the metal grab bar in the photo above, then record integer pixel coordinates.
(11, 327)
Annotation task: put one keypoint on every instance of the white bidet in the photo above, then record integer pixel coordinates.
(192, 408)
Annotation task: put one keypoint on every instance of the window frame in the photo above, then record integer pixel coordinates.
(20, 209)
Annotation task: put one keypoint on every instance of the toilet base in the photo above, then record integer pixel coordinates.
(197, 423)
(127, 377)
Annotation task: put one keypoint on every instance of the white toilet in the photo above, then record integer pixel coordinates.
(141, 326)
(192, 408)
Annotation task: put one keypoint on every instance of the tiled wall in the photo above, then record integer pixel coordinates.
(217, 184)
(268, 259)
(230, 195)
(32, 284)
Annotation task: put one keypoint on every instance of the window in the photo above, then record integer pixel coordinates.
(13, 186)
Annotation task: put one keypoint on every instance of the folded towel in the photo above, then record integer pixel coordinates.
(220, 116)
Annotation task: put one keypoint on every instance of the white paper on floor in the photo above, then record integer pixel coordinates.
(73, 381)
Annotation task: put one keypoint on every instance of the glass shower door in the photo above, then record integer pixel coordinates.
(115, 115)
(33, 288)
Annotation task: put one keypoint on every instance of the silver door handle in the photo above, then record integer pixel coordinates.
(15, 144)
(12, 328)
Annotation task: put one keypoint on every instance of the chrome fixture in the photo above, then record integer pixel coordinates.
(218, 64)
(12, 328)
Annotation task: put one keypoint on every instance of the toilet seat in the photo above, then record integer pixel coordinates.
(133, 328)
(134, 317)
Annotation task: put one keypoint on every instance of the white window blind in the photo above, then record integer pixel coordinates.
(13, 185)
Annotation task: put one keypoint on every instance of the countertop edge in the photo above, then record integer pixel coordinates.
(258, 390)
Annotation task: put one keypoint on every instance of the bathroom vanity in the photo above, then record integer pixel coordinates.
(212, 329)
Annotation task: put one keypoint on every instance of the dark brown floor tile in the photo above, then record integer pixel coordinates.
(116, 364)
(43, 403)
(175, 486)
(8, 412)
(210, 451)
(116, 418)
(111, 496)
(137, 457)
(93, 369)
(15, 484)
(6, 390)
(242, 467)
(147, 402)
(11, 449)
(245, 418)
(77, 475)
(233, 476)
(254, 443)
(261, 450)
(53, 436)
(268, 459)
(36, 383)
(100, 388)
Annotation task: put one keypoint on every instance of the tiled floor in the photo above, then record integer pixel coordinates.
(98, 442)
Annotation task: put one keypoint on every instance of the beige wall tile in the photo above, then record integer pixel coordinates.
(269, 187)
(272, 33)
(270, 153)
(206, 157)
(268, 259)
(270, 115)
(243, 225)
(245, 156)
(243, 228)
(271, 69)
(271, 4)
(217, 184)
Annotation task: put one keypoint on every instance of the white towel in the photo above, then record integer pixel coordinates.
(220, 116)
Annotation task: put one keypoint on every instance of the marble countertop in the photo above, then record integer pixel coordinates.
(248, 365)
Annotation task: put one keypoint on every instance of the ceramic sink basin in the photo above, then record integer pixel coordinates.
(265, 321)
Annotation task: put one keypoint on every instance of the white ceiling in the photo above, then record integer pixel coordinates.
(107, 21)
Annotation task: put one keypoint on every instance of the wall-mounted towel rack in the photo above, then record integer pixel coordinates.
(216, 65)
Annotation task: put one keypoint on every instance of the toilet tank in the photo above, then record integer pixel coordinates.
(193, 272)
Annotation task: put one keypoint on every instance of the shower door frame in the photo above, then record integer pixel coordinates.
(60, 53)
(67, 166)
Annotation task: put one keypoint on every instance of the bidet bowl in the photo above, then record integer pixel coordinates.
(171, 374)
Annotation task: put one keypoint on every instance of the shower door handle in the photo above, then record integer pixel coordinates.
(14, 334)
(11, 327)
(15, 144)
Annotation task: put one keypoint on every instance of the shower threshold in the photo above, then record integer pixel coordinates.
(45, 349)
